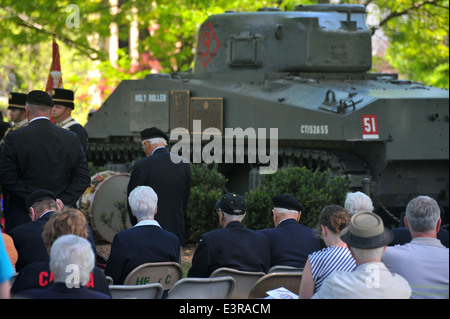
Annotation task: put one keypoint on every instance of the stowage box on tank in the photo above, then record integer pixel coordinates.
(305, 74)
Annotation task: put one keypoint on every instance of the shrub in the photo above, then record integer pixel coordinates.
(314, 190)
(207, 186)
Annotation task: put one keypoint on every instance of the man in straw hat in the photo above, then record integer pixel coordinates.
(367, 239)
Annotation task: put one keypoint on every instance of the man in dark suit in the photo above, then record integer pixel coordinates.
(170, 177)
(233, 245)
(62, 114)
(290, 242)
(144, 243)
(40, 156)
(28, 237)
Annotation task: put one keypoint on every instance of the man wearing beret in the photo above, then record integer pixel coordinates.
(62, 114)
(40, 156)
(290, 242)
(170, 177)
(233, 245)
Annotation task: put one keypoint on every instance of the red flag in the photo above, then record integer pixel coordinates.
(55, 74)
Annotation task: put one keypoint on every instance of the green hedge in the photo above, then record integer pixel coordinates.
(207, 186)
(314, 190)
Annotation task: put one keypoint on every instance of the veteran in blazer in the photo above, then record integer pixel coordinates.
(170, 177)
(290, 242)
(233, 245)
(41, 156)
(144, 243)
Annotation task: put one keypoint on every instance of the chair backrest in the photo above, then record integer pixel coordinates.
(244, 280)
(202, 288)
(289, 280)
(149, 291)
(280, 268)
(165, 273)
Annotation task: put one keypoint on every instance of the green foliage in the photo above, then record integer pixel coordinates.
(314, 190)
(207, 186)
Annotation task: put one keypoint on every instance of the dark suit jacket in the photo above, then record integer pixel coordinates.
(61, 291)
(139, 245)
(291, 243)
(38, 276)
(82, 134)
(233, 246)
(171, 182)
(41, 156)
(29, 243)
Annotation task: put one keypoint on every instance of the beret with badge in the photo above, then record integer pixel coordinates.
(153, 132)
(17, 100)
(63, 97)
(37, 97)
(287, 202)
(38, 196)
(232, 204)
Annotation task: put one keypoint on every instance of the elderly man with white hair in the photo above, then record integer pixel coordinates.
(144, 243)
(71, 262)
(424, 262)
(357, 202)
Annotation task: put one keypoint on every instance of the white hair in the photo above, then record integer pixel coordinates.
(156, 141)
(365, 255)
(143, 201)
(280, 210)
(422, 214)
(358, 202)
(72, 254)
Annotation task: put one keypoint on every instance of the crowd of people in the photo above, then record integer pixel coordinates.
(49, 249)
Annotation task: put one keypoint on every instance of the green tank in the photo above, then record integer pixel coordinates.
(303, 74)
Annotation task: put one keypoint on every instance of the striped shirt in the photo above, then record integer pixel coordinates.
(328, 260)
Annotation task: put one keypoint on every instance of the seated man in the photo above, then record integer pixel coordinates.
(233, 245)
(27, 238)
(71, 262)
(423, 262)
(144, 243)
(290, 242)
(366, 239)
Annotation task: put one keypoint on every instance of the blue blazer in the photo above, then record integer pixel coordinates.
(139, 245)
(291, 243)
(233, 246)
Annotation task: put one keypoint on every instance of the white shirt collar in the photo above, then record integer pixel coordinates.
(157, 149)
(39, 117)
(148, 222)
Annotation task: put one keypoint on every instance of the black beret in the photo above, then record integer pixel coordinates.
(63, 97)
(287, 202)
(17, 100)
(153, 132)
(232, 204)
(37, 97)
(39, 195)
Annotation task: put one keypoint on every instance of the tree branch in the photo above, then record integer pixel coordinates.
(414, 7)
